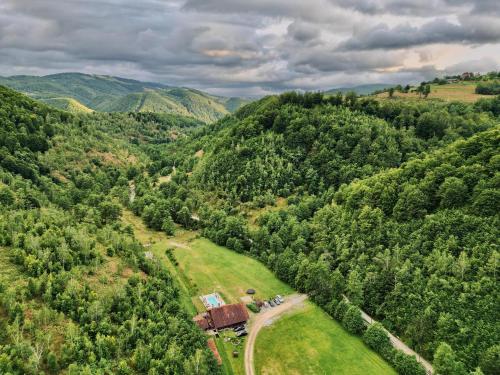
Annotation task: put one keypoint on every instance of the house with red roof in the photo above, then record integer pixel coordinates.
(225, 316)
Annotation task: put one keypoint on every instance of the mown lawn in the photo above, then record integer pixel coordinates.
(210, 267)
(231, 365)
(308, 341)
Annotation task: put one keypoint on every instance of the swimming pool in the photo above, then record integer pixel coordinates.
(212, 300)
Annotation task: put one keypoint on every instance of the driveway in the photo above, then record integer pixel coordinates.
(260, 320)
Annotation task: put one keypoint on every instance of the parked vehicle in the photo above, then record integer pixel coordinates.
(279, 298)
(239, 328)
(241, 333)
(271, 303)
(277, 301)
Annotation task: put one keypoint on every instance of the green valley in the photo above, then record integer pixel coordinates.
(114, 224)
(76, 92)
(231, 187)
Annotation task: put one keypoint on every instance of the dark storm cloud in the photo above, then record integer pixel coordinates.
(352, 62)
(478, 6)
(470, 30)
(303, 32)
(418, 8)
(241, 46)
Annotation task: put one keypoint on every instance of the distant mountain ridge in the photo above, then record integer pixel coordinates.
(80, 92)
(362, 89)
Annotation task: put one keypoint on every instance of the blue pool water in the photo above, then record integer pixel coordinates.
(212, 300)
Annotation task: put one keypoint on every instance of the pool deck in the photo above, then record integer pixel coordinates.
(212, 300)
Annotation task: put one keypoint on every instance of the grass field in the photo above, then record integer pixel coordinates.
(311, 334)
(214, 268)
(307, 333)
(461, 91)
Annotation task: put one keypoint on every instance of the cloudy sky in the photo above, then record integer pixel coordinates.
(251, 47)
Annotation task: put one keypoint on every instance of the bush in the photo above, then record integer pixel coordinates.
(340, 310)
(488, 88)
(253, 307)
(171, 256)
(376, 337)
(407, 364)
(353, 321)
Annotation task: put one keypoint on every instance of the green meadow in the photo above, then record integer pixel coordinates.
(308, 341)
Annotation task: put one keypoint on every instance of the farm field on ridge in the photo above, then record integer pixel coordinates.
(461, 91)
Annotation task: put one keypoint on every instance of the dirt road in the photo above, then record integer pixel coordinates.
(400, 345)
(260, 320)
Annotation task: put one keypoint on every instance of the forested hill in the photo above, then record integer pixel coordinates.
(394, 204)
(280, 145)
(77, 295)
(78, 92)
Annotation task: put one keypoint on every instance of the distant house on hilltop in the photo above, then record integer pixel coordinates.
(467, 75)
(225, 316)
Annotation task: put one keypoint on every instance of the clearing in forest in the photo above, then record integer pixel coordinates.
(202, 267)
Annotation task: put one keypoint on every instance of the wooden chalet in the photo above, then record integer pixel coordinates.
(225, 316)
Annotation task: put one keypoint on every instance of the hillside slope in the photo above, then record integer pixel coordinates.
(395, 205)
(77, 294)
(76, 91)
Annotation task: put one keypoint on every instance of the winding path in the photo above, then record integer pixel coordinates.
(398, 344)
(260, 320)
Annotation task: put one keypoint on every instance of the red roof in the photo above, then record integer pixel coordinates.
(201, 321)
(213, 348)
(228, 315)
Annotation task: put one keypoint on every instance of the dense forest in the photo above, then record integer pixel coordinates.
(77, 295)
(392, 204)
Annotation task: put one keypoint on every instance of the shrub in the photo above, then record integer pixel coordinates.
(340, 310)
(488, 88)
(407, 364)
(376, 337)
(253, 307)
(171, 256)
(353, 321)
